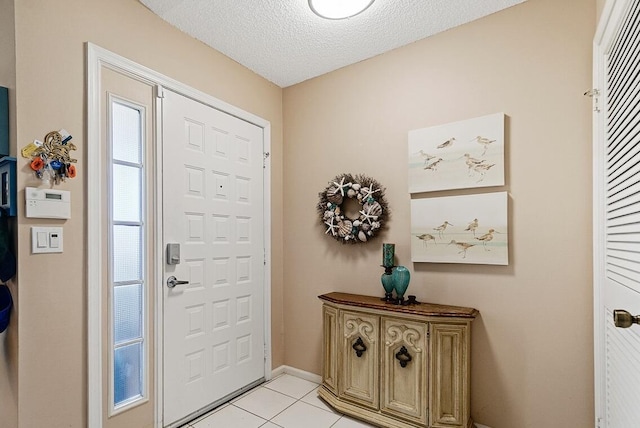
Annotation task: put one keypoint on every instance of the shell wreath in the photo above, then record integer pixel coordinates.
(372, 217)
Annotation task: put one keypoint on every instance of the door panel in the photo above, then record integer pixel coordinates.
(358, 381)
(404, 387)
(330, 366)
(622, 367)
(213, 207)
(448, 381)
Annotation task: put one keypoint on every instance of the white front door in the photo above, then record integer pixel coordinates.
(213, 208)
(617, 213)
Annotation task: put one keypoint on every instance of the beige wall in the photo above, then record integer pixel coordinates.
(532, 344)
(9, 339)
(51, 81)
(599, 8)
(532, 352)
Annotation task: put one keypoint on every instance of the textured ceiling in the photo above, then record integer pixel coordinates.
(285, 42)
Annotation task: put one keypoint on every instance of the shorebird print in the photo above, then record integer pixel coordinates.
(462, 246)
(425, 237)
(442, 228)
(426, 156)
(433, 166)
(472, 226)
(486, 238)
(447, 143)
(472, 162)
(485, 142)
(482, 169)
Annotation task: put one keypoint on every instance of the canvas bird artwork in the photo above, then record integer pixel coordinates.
(462, 246)
(442, 228)
(485, 142)
(433, 166)
(472, 227)
(425, 238)
(447, 143)
(426, 157)
(464, 154)
(460, 229)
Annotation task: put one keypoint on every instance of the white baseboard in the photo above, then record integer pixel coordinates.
(311, 377)
(481, 426)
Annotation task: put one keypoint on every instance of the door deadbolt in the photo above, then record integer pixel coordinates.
(173, 254)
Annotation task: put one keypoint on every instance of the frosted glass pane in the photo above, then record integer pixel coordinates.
(126, 132)
(127, 373)
(126, 193)
(127, 312)
(127, 253)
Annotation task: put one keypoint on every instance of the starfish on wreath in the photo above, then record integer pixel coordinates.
(332, 227)
(368, 216)
(369, 193)
(341, 186)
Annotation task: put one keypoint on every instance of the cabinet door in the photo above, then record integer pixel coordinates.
(330, 349)
(449, 394)
(358, 381)
(404, 369)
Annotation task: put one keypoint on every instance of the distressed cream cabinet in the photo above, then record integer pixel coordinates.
(397, 366)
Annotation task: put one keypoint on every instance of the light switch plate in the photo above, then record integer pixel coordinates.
(46, 240)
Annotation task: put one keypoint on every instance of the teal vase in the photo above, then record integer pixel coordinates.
(387, 283)
(400, 278)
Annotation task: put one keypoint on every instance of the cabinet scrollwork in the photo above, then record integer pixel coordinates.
(402, 334)
(355, 326)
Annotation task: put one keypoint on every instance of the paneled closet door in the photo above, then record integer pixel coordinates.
(617, 213)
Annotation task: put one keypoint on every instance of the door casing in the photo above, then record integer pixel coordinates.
(97, 59)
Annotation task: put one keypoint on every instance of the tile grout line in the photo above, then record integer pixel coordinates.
(276, 415)
(297, 401)
(278, 392)
(251, 413)
(267, 385)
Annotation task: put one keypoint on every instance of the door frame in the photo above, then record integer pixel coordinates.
(97, 59)
(608, 26)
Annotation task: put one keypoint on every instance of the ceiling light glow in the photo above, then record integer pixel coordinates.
(338, 9)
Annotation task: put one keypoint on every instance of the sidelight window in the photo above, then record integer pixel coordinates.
(127, 273)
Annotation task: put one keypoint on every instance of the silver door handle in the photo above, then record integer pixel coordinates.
(172, 282)
(624, 319)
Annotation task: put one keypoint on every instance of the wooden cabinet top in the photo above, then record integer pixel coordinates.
(424, 309)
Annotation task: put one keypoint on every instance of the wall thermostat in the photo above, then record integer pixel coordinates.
(47, 203)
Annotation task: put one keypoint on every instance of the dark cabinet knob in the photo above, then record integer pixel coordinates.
(403, 356)
(359, 347)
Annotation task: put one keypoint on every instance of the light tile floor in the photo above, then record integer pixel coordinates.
(284, 402)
